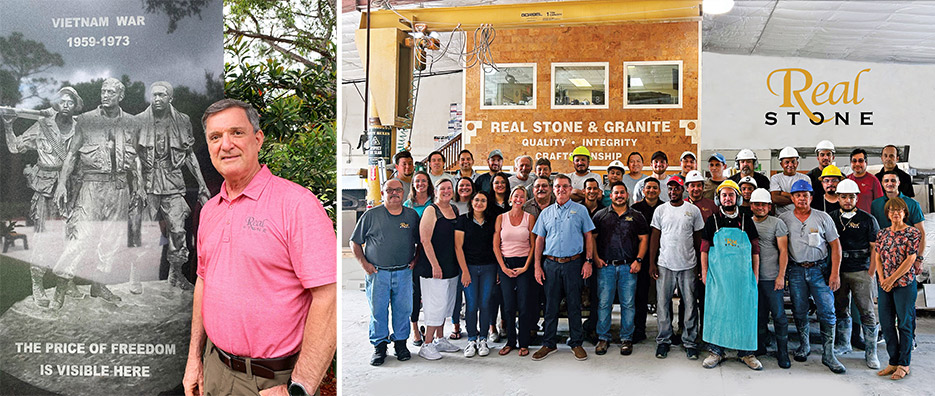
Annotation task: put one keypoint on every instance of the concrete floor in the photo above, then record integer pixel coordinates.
(638, 374)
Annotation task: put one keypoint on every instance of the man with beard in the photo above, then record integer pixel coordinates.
(660, 162)
(543, 196)
(688, 163)
(781, 183)
(49, 138)
(870, 187)
(404, 170)
(103, 154)
(858, 231)
(730, 260)
(696, 187)
(774, 256)
(484, 181)
(824, 151)
(675, 237)
(828, 200)
(813, 238)
(465, 166)
(543, 169)
(523, 176)
(645, 285)
(890, 156)
(581, 158)
(621, 240)
(745, 162)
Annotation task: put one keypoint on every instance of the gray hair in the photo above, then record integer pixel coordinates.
(164, 84)
(225, 104)
(516, 160)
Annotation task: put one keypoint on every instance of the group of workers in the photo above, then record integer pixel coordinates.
(523, 243)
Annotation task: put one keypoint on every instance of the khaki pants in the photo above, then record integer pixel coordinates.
(220, 380)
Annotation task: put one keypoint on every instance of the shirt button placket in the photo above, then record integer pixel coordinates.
(227, 228)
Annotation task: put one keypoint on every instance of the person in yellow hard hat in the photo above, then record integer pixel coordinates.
(581, 158)
(829, 179)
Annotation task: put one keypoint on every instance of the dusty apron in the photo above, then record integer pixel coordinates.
(730, 292)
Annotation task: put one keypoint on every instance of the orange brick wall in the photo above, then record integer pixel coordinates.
(604, 43)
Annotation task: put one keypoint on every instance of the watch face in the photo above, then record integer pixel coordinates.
(296, 389)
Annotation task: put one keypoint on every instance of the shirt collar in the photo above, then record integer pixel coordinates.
(254, 188)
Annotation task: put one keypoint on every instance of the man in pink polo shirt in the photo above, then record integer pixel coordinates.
(263, 316)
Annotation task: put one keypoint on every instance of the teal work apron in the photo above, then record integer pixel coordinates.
(730, 305)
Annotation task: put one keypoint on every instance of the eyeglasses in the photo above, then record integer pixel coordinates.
(394, 190)
(858, 160)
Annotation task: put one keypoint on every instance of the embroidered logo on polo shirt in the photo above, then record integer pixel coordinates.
(628, 218)
(404, 225)
(255, 225)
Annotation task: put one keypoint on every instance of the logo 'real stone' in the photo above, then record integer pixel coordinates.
(253, 224)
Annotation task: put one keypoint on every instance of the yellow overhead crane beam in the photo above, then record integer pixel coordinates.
(566, 13)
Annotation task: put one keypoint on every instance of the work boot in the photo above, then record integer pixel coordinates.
(101, 291)
(402, 353)
(801, 354)
(72, 291)
(601, 347)
(135, 286)
(782, 351)
(827, 350)
(38, 290)
(857, 342)
(870, 348)
(59, 299)
(379, 354)
(842, 336)
(177, 278)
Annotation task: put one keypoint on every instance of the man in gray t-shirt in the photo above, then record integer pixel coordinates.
(773, 258)
(812, 236)
(384, 243)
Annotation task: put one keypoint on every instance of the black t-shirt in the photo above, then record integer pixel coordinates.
(905, 182)
(818, 190)
(443, 243)
(618, 236)
(819, 203)
(646, 210)
(761, 181)
(744, 221)
(478, 240)
(856, 234)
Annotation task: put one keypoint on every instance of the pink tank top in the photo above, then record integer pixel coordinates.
(514, 240)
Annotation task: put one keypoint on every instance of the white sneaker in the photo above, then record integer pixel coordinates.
(442, 345)
(471, 349)
(482, 348)
(429, 352)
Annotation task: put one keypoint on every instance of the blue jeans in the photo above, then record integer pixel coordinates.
(518, 295)
(665, 289)
(770, 303)
(562, 277)
(389, 290)
(477, 299)
(809, 281)
(898, 305)
(616, 280)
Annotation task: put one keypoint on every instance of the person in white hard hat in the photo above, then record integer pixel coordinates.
(858, 231)
(747, 186)
(614, 174)
(781, 183)
(695, 185)
(716, 165)
(745, 162)
(824, 151)
(774, 255)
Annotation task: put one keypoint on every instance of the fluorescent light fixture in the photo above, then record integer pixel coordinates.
(716, 6)
(636, 82)
(580, 82)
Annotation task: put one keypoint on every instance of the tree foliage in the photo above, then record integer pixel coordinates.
(23, 59)
(282, 62)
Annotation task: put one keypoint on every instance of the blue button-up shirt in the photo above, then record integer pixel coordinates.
(563, 227)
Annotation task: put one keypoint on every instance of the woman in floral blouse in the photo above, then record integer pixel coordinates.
(896, 250)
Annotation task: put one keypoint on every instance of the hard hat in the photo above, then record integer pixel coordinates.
(580, 150)
(728, 183)
(788, 152)
(824, 145)
(693, 176)
(847, 186)
(801, 185)
(686, 154)
(747, 180)
(745, 154)
(831, 170)
(761, 195)
(616, 164)
(718, 157)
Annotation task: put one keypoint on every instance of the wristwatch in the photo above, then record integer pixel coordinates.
(589, 260)
(639, 260)
(296, 389)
